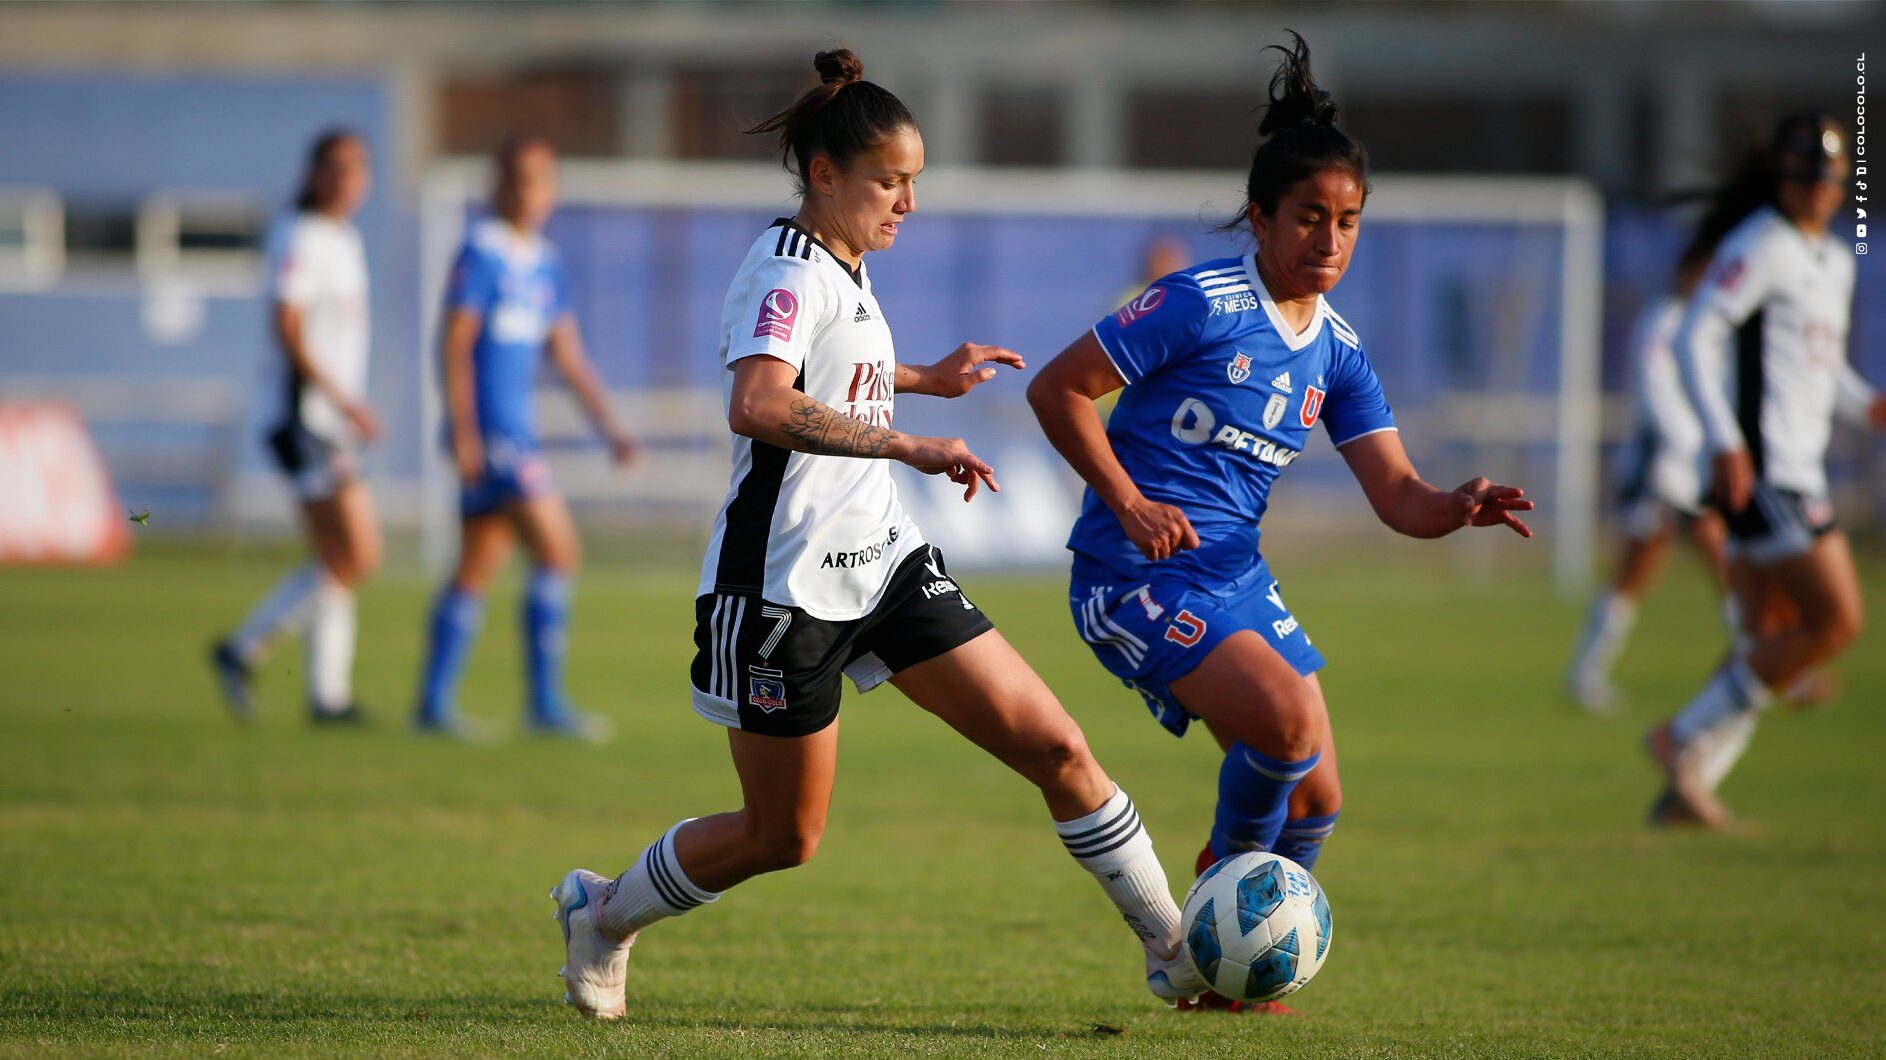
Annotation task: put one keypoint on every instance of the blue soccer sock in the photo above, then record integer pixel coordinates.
(456, 617)
(1253, 798)
(1302, 838)
(546, 640)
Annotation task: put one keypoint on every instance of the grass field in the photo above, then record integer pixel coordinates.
(171, 883)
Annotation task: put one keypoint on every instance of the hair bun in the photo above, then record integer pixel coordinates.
(1295, 98)
(838, 67)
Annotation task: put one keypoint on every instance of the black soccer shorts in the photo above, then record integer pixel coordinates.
(771, 669)
(1778, 524)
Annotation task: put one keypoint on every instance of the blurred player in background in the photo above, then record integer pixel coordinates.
(1226, 366)
(319, 312)
(815, 571)
(1763, 349)
(1663, 488)
(507, 305)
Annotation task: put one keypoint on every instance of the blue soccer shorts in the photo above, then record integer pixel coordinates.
(512, 473)
(1149, 634)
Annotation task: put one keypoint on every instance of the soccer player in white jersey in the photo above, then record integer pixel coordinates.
(1661, 468)
(507, 312)
(1224, 368)
(814, 571)
(318, 309)
(1763, 348)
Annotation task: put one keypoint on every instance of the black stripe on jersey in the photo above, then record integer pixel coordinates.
(805, 250)
(742, 564)
(1748, 387)
(779, 248)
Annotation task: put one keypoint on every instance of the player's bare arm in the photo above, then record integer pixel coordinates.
(966, 367)
(288, 333)
(1410, 506)
(567, 350)
(1062, 395)
(461, 335)
(766, 407)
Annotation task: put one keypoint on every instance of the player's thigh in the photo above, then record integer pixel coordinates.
(1824, 585)
(544, 522)
(484, 544)
(359, 522)
(1642, 559)
(1245, 688)
(987, 692)
(786, 781)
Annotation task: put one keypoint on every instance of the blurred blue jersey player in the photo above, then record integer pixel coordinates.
(1227, 368)
(507, 305)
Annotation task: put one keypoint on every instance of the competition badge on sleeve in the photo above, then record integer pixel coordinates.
(779, 310)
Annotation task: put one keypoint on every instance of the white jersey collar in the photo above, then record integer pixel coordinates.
(1292, 339)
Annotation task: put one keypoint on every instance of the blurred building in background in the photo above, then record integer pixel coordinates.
(145, 148)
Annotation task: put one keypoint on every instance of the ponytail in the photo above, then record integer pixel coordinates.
(840, 118)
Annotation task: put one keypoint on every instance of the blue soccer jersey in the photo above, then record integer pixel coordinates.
(518, 286)
(1220, 397)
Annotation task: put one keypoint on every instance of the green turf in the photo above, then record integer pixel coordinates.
(172, 883)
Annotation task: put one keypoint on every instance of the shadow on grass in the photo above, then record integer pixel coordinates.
(105, 1012)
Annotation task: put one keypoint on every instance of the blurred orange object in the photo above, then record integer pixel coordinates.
(57, 504)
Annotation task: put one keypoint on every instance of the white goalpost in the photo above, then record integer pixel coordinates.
(1516, 404)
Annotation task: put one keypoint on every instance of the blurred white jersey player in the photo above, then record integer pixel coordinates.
(1661, 469)
(1763, 354)
(318, 418)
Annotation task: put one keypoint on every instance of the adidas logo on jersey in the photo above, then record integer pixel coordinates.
(1282, 382)
(861, 315)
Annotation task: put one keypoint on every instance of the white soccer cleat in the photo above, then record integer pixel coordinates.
(1174, 979)
(594, 965)
(1593, 692)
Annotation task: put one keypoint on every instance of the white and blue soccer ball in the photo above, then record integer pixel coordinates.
(1257, 925)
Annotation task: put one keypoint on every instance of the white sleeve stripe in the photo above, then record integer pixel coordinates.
(1110, 358)
(1365, 434)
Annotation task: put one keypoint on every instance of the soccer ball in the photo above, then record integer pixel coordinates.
(1257, 925)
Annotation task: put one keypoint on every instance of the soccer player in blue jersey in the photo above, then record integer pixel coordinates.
(1226, 367)
(507, 305)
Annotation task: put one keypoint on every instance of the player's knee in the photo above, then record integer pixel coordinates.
(1839, 625)
(786, 848)
(1296, 724)
(1061, 761)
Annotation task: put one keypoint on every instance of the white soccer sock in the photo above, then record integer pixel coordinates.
(1112, 844)
(1609, 626)
(284, 610)
(1721, 747)
(1732, 615)
(331, 634)
(654, 888)
(1733, 690)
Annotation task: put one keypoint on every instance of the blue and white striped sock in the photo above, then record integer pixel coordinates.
(1302, 838)
(1112, 844)
(654, 888)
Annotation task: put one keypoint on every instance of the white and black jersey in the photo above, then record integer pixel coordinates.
(1763, 350)
(316, 264)
(1663, 461)
(820, 533)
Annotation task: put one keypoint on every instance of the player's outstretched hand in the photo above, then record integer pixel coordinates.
(1876, 413)
(1732, 479)
(1158, 530)
(1486, 503)
(365, 423)
(622, 449)
(949, 457)
(965, 368)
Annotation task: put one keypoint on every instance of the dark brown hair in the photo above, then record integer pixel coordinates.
(319, 157)
(840, 118)
(1301, 136)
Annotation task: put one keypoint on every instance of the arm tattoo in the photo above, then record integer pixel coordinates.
(821, 430)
